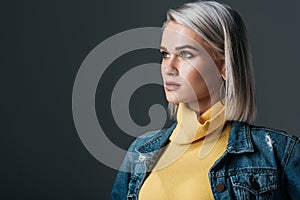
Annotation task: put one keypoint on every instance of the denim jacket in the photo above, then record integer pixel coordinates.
(259, 163)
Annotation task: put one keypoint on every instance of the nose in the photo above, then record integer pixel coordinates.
(170, 66)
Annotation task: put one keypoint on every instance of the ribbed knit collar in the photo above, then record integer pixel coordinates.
(191, 128)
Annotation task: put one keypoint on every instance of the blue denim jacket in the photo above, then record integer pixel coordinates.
(259, 163)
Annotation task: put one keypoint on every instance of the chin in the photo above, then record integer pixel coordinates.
(173, 100)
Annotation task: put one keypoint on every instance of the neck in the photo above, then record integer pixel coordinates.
(202, 105)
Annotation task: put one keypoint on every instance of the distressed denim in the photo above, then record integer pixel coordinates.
(259, 163)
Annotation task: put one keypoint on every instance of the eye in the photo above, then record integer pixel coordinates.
(165, 54)
(186, 54)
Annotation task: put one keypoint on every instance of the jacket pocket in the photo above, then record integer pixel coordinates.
(254, 183)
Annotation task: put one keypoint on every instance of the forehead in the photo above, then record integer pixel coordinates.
(175, 34)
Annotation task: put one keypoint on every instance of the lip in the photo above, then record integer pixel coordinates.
(170, 85)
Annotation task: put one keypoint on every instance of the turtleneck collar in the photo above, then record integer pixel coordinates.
(191, 128)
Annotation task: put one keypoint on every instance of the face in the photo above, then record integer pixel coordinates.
(189, 72)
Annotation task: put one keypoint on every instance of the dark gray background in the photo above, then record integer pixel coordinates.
(43, 44)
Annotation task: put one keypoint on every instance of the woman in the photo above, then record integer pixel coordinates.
(211, 151)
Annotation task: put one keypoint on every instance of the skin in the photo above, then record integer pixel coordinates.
(190, 71)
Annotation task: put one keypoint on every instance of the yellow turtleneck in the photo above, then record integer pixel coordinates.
(195, 144)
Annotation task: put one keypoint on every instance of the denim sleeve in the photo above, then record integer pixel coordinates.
(292, 170)
(120, 186)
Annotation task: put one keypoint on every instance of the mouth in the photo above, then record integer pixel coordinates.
(171, 86)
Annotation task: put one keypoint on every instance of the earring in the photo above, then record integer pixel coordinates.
(222, 91)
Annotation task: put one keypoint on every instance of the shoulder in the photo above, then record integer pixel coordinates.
(257, 131)
(262, 137)
(276, 135)
(281, 141)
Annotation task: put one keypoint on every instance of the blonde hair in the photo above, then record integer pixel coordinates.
(224, 30)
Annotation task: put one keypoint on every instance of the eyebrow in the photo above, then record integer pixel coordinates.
(182, 47)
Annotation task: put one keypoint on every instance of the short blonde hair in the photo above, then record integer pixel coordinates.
(224, 30)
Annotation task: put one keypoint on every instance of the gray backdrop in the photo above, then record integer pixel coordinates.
(43, 44)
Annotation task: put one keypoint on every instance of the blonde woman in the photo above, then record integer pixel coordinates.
(211, 151)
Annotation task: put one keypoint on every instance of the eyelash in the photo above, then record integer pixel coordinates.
(165, 54)
(190, 55)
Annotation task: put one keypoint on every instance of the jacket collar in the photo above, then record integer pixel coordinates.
(239, 139)
(159, 140)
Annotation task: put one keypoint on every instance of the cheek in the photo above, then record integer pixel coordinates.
(193, 76)
(201, 74)
(163, 68)
(195, 80)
